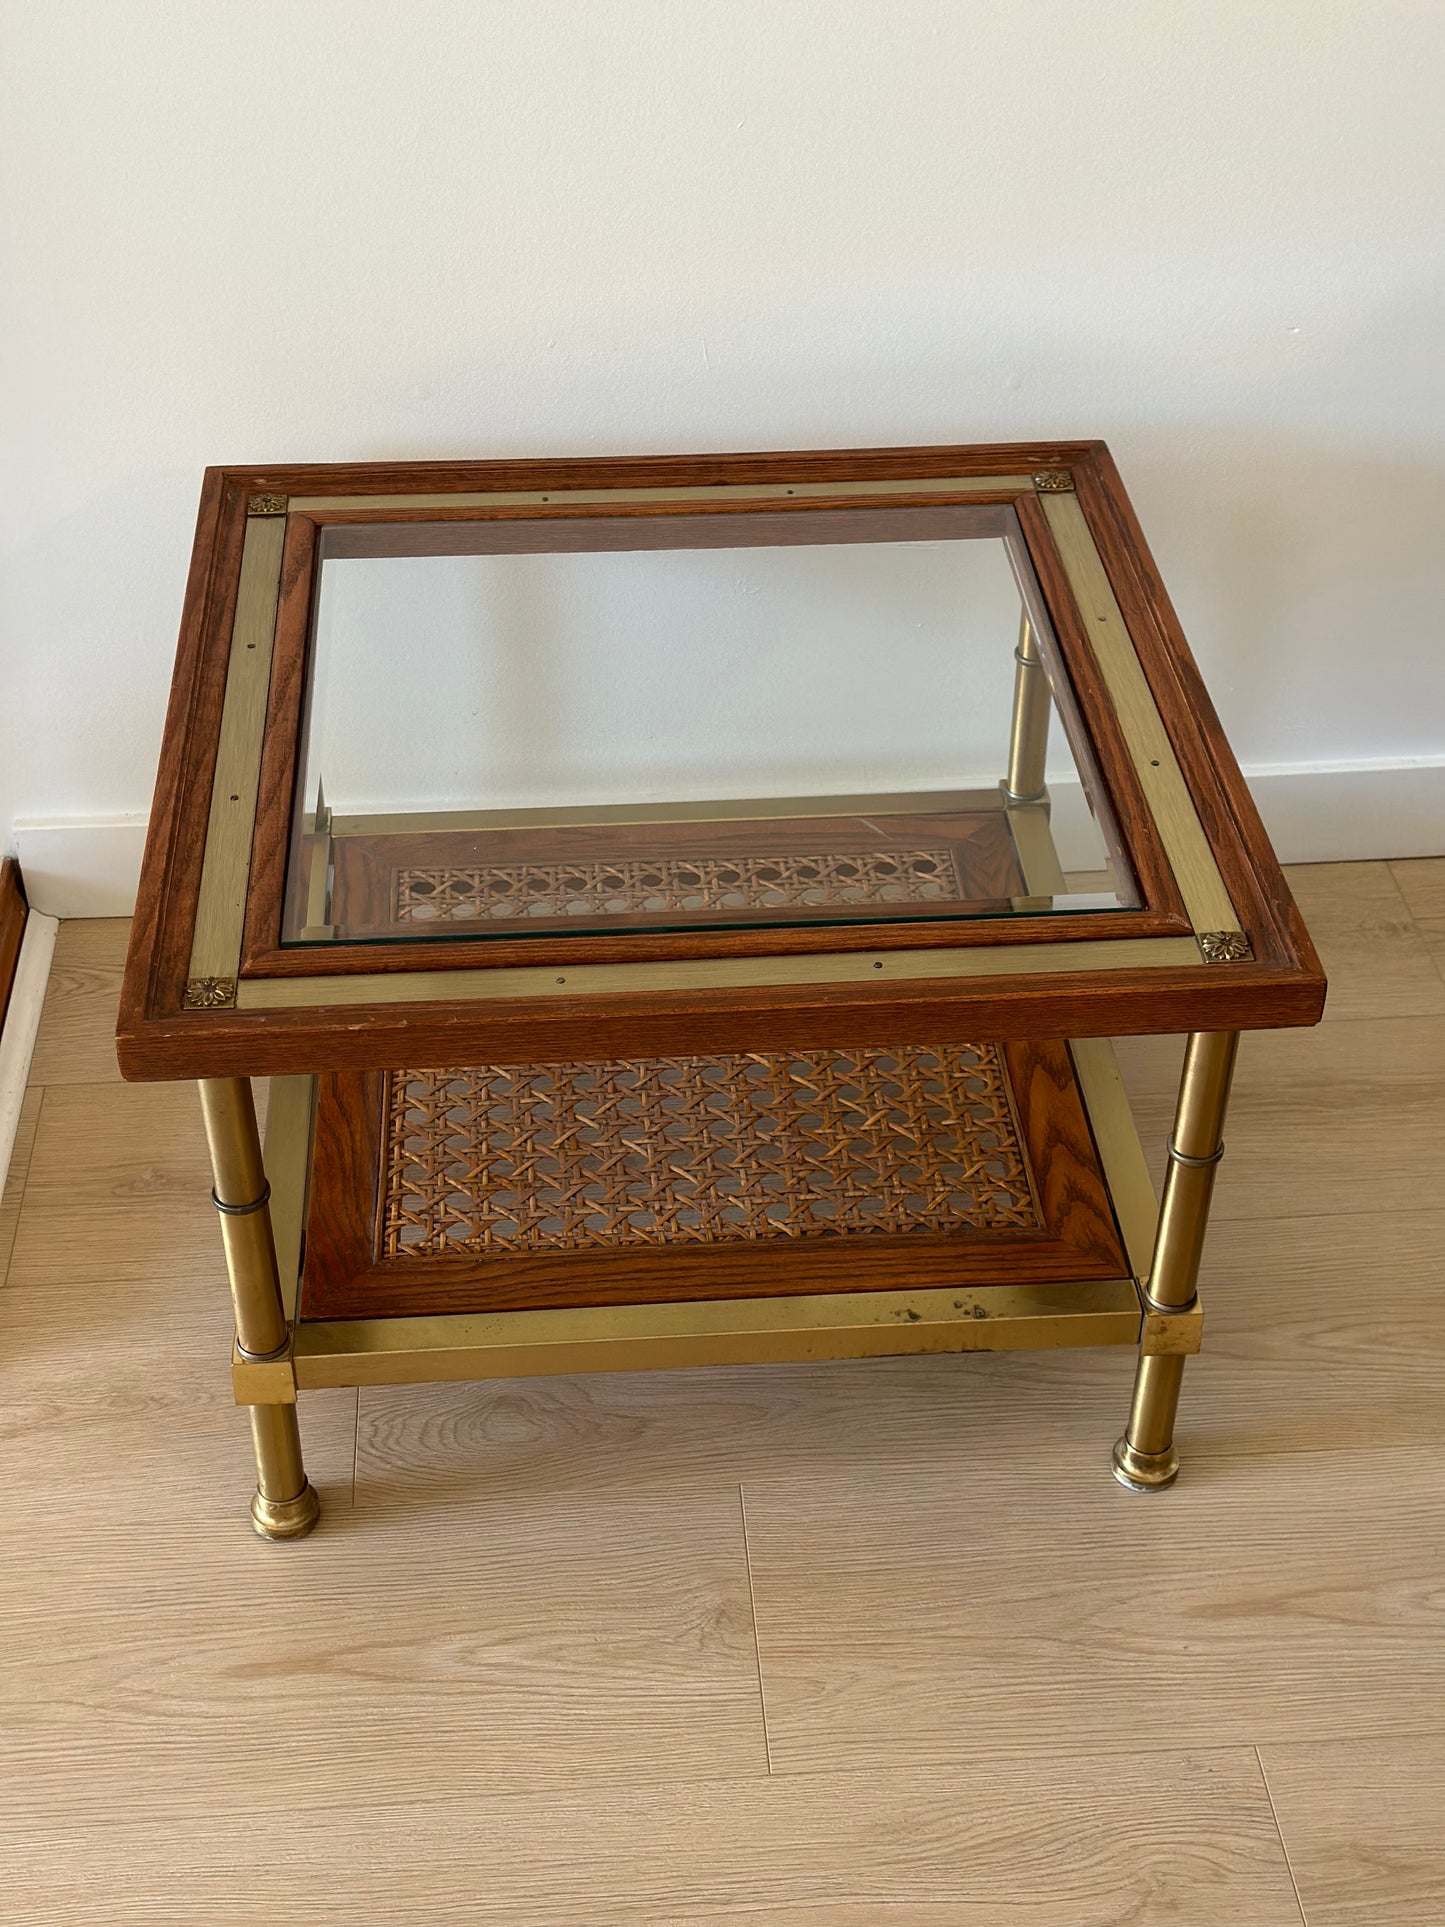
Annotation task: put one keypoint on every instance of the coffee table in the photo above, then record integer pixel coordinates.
(681, 905)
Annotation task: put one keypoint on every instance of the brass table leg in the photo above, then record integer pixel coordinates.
(285, 1505)
(1145, 1459)
(1029, 734)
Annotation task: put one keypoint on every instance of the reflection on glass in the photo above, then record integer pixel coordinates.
(805, 728)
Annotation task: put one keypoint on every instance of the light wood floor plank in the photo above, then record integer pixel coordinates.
(119, 1189)
(923, 1619)
(1300, 1355)
(1169, 1840)
(1376, 960)
(1364, 1824)
(1432, 930)
(16, 1174)
(520, 1681)
(76, 1040)
(1343, 1118)
(164, 1658)
(1421, 881)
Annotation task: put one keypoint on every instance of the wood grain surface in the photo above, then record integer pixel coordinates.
(348, 1275)
(13, 912)
(1281, 986)
(74, 1044)
(1363, 1819)
(1156, 1840)
(522, 1683)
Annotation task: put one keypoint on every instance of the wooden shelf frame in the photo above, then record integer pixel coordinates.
(631, 1337)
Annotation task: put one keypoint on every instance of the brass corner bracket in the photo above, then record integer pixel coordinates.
(1225, 946)
(210, 993)
(1054, 481)
(268, 504)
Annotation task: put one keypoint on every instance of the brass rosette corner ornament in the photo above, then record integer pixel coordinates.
(1225, 946)
(210, 993)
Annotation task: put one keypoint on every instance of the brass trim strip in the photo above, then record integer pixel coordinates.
(1126, 1169)
(715, 973)
(736, 1331)
(1034, 847)
(289, 1105)
(709, 492)
(221, 905)
(742, 809)
(1180, 831)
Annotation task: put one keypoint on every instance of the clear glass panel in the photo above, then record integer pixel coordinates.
(528, 728)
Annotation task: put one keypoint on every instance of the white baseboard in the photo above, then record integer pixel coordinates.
(84, 866)
(1350, 812)
(1314, 812)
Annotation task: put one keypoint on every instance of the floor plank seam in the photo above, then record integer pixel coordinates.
(1134, 1747)
(757, 1643)
(1283, 1843)
(24, 1182)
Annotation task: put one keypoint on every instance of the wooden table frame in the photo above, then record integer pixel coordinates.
(1214, 947)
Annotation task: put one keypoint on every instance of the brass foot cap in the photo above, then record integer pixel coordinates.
(286, 1518)
(1144, 1471)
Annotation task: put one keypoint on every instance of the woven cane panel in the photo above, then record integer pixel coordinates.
(507, 891)
(702, 1150)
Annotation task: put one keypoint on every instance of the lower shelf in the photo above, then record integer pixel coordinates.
(954, 1286)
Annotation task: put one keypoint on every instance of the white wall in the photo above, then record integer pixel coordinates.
(1211, 231)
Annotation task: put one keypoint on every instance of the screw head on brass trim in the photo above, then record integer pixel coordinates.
(286, 1518)
(1054, 481)
(1225, 946)
(209, 993)
(267, 505)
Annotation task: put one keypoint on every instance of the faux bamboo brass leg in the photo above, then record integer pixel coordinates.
(1145, 1459)
(1029, 734)
(285, 1505)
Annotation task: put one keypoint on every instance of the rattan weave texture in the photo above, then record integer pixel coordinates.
(627, 885)
(721, 1149)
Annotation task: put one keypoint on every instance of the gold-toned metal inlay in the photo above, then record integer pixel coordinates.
(732, 1331)
(1054, 481)
(267, 505)
(731, 492)
(210, 993)
(1126, 1169)
(1225, 946)
(561, 981)
(627, 885)
(1185, 844)
(767, 809)
(764, 1147)
(225, 871)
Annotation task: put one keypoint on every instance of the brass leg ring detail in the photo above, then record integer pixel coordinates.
(265, 1358)
(286, 1518)
(1150, 1304)
(1195, 1164)
(243, 1210)
(1145, 1471)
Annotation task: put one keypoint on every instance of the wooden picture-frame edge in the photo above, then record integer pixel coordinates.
(148, 1037)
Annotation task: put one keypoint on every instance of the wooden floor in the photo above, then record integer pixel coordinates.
(868, 1643)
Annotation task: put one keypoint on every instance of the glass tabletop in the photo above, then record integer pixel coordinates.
(529, 727)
